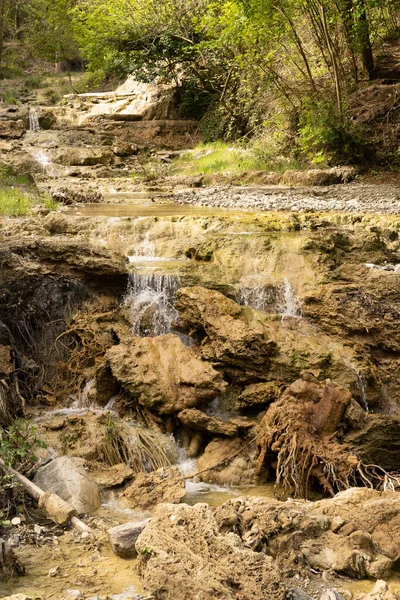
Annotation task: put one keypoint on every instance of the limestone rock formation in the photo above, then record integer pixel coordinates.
(163, 374)
(111, 476)
(377, 513)
(377, 440)
(67, 478)
(197, 420)
(249, 345)
(183, 556)
(258, 394)
(336, 534)
(164, 485)
(239, 471)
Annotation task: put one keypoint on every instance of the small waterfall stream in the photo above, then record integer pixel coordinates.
(33, 120)
(282, 300)
(45, 161)
(150, 299)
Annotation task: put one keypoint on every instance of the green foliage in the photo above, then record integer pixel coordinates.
(90, 81)
(325, 137)
(10, 177)
(17, 445)
(17, 194)
(10, 97)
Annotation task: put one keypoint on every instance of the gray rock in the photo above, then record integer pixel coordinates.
(67, 478)
(123, 538)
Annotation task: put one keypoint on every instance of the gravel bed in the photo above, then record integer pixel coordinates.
(356, 197)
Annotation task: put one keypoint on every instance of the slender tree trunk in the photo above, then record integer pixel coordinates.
(332, 55)
(365, 40)
(3, 10)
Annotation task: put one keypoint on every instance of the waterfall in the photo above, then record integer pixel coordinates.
(290, 305)
(150, 299)
(33, 120)
(388, 405)
(254, 292)
(257, 297)
(45, 161)
(145, 251)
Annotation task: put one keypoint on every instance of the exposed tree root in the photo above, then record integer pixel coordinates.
(291, 439)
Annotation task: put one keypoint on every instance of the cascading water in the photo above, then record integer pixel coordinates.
(33, 120)
(151, 299)
(45, 161)
(291, 305)
(145, 251)
(254, 292)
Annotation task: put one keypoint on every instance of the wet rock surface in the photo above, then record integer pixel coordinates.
(149, 489)
(163, 374)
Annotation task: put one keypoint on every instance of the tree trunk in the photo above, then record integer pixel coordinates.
(365, 41)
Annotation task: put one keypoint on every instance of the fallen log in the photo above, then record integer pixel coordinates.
(55, 507)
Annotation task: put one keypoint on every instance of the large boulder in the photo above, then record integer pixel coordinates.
(163, 374)
(182, 555)
(67, 478)
(320, 535)
(249, 345)
(164, 485)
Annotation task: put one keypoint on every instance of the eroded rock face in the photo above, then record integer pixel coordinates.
(239, 471)
(182, 555)
(377, 440)
(377, 513)
(12, 129)
(335, 534)
(148, 489)
(197, 420)
(67, 478)
(258, 394)
(163, 374)
(251, 346)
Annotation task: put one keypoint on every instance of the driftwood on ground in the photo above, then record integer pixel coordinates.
(55, 507)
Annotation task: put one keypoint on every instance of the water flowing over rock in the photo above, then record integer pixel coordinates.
(162, 374)
(250, 346)
(150, 300)
(33, 120)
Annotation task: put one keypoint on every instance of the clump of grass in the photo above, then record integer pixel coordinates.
(13, 202)
(18, 196)
(9, 177)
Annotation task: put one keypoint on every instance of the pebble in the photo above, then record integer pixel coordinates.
(16, 521)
